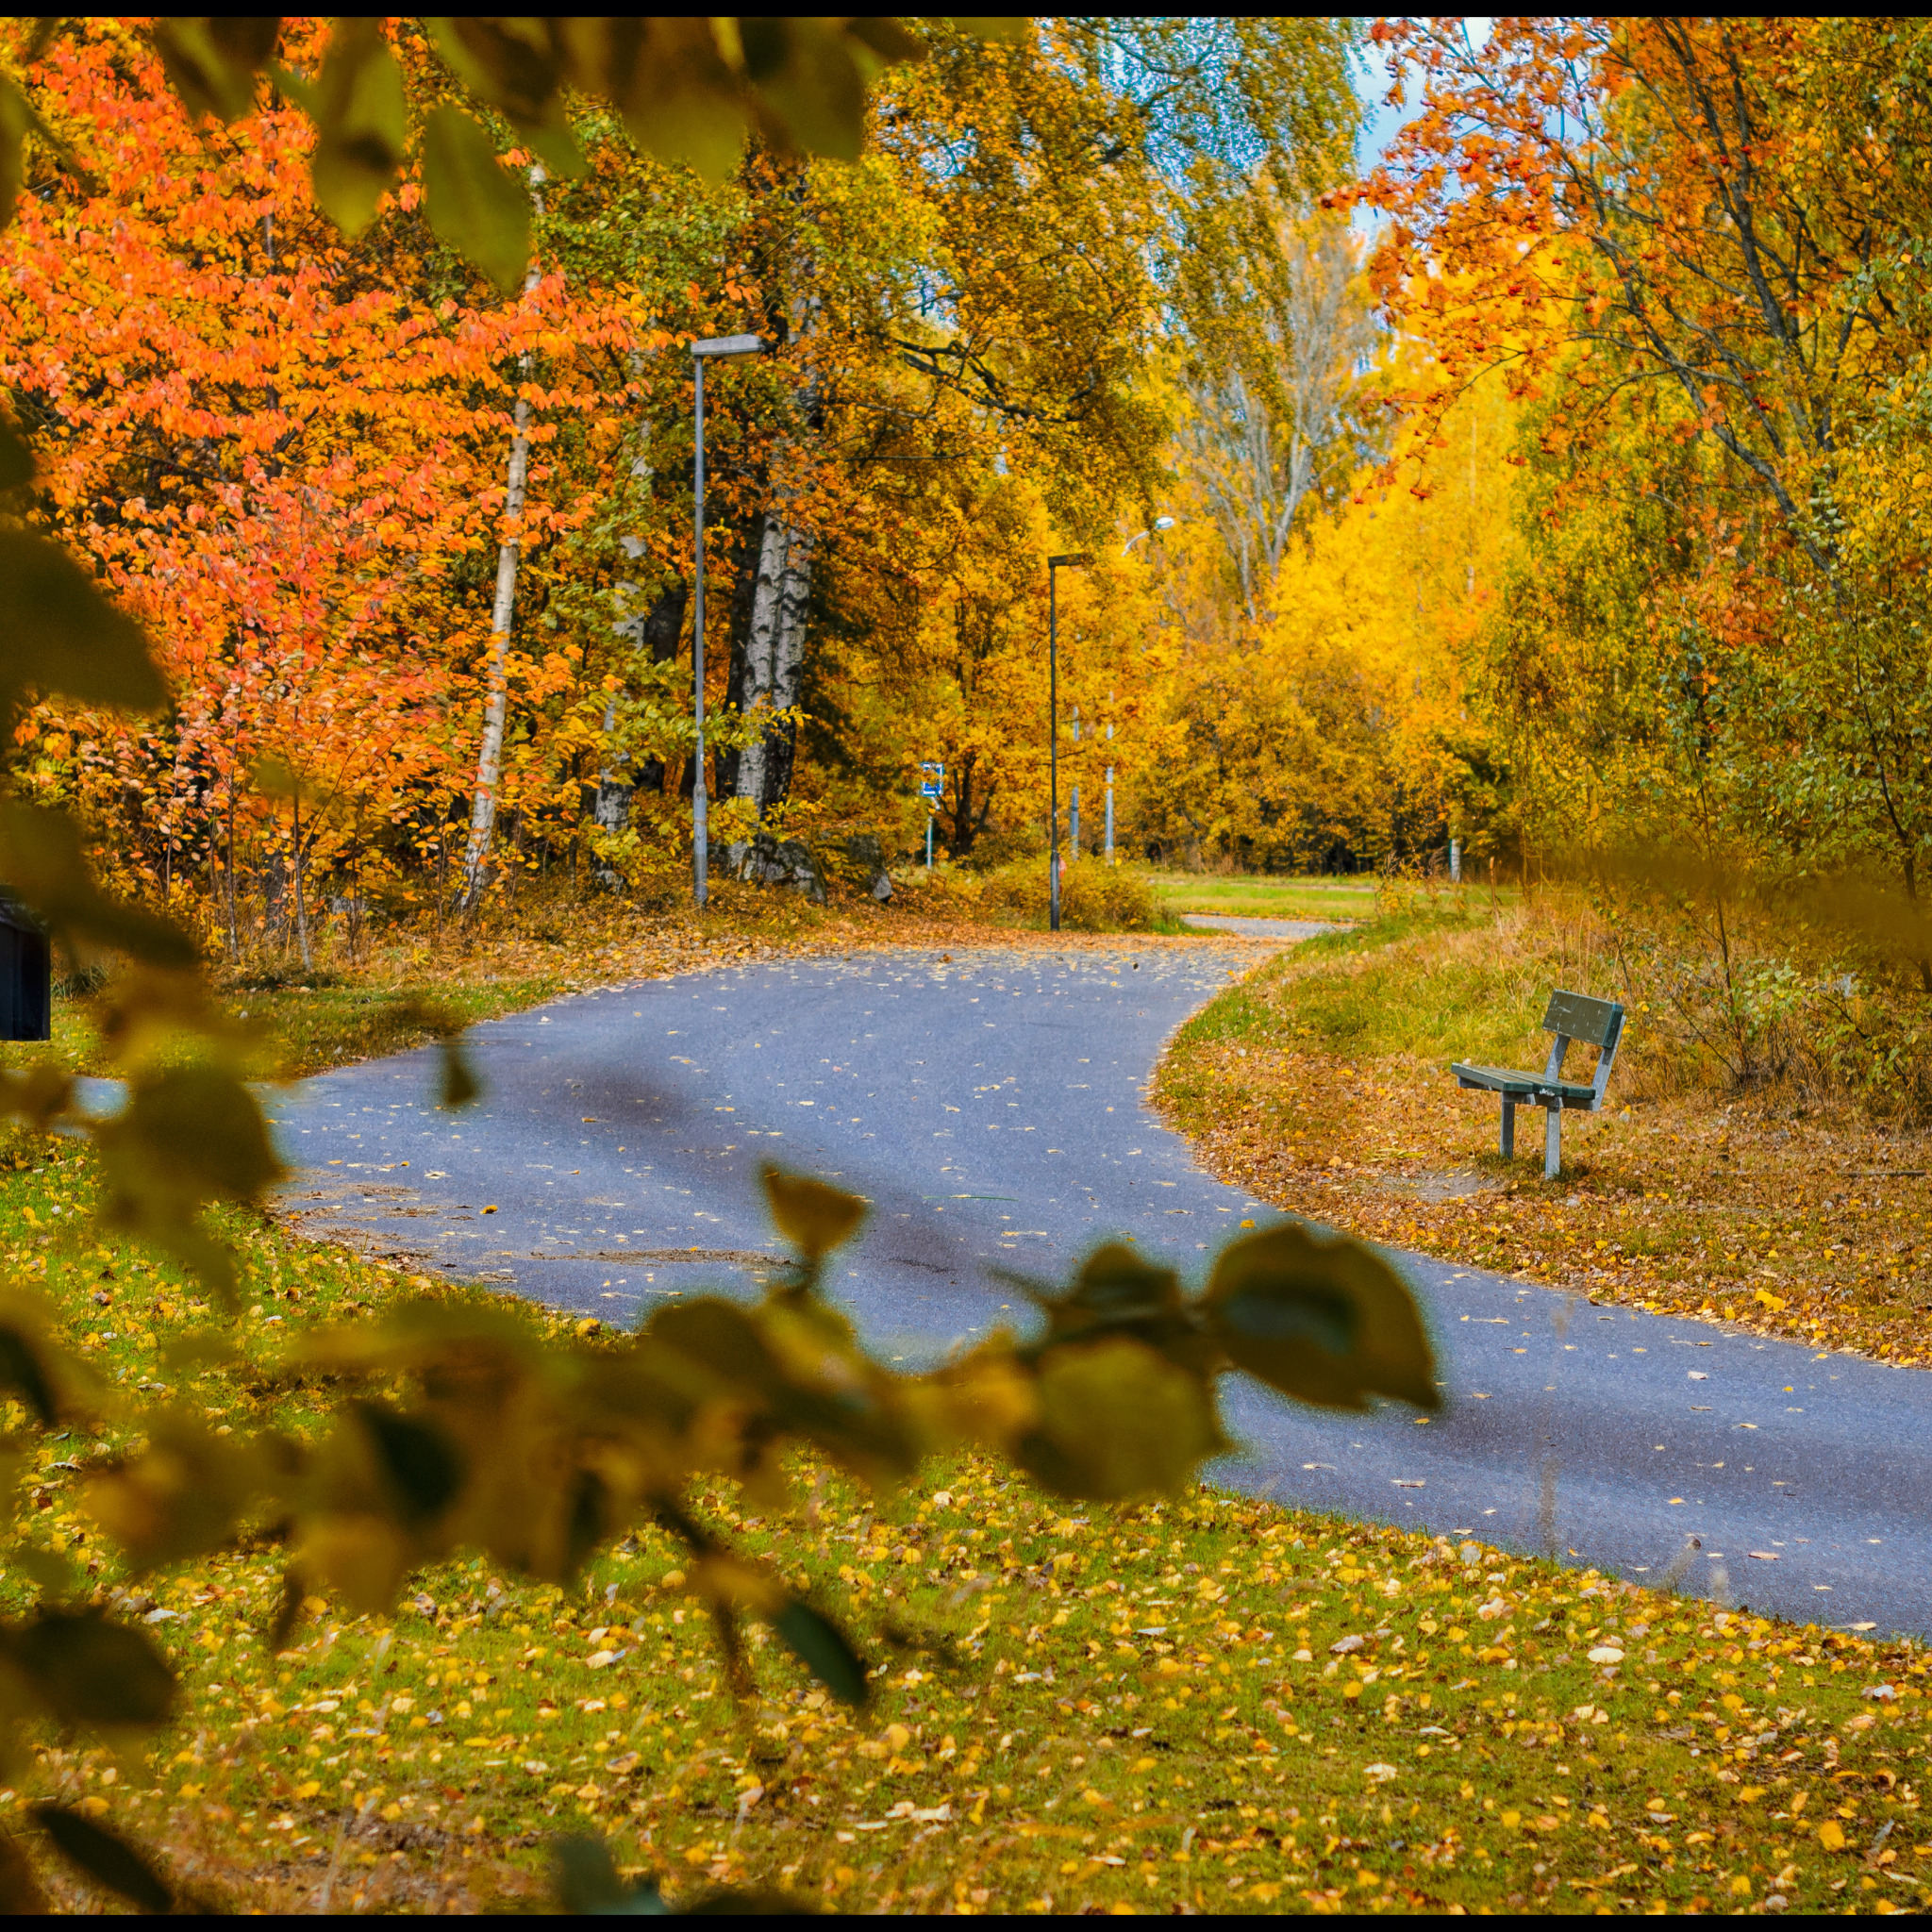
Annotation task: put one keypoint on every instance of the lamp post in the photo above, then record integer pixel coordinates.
(1110, 782)
(1052, 725)
(715, 349)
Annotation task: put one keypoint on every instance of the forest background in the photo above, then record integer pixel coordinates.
(1555, 488)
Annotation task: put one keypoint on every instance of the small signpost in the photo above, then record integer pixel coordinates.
(932, 788)
(27, 976)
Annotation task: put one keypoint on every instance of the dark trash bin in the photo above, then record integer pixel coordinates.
(27, 976)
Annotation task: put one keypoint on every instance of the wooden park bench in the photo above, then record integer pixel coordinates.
(1571, 1016)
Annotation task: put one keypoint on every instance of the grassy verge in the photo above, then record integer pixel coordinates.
(1256, 896)
(1322, 1083)
(1208, 1705)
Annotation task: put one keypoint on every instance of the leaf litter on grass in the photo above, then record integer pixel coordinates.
(1321, 1084)
(1209, 1703)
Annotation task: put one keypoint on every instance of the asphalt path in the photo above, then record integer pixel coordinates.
(990, 1106)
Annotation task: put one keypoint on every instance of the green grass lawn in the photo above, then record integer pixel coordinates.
(1211, 1703)
(1362, 896)
(1253, 896)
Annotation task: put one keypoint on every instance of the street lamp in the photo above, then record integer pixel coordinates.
(1160, 524)
(1053, 723)
(716, 349)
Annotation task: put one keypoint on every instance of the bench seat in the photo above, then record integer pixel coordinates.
(1571, 1016)
(1515, 1082)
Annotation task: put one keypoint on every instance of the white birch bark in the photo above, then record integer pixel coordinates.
(496, 687)
(776, 640)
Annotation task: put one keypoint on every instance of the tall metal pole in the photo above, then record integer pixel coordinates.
(699, 828)
(1053, 722)
(1052, 741)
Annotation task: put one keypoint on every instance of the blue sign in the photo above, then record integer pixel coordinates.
(932, 782)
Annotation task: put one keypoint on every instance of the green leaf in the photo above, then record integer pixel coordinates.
(592, 1518)
(182, 1496)
(211, 62)
(986, 27)
(16, 117)
(806, 70)
(459, 1083)
(88, 1671)
(1115, 1284)
(1325, 1320)
(421, 1468)
(820, 1646)
(558, 149)
(20, 1891)
(42, 865)
(16, 458)
(22, 1374)
(199, 1133)
(287, 1613)
(1116, 1420)
(507, 61)
(589, 1884)
(719, 1335)
(473, 204)
(62, 635)
(815, 1219)
(361, 124)
(51, 1571)
(187, 1137)
(746, 1902)
(666, 76)
(105, 1856)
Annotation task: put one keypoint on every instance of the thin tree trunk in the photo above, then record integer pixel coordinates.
(490, 753)
(659, 634)
(234, 933)
(300, 904)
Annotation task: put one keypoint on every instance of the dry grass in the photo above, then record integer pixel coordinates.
(1322, 1084)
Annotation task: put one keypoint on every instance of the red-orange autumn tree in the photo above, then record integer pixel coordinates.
(281, 451)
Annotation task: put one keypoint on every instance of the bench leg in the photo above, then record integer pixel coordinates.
(1552, 1142)
(1508, 1130)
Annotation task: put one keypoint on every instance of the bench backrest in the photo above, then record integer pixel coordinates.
(1596, 1022)
(1577, 1016)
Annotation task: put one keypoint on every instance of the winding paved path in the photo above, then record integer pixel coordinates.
(990, 1106)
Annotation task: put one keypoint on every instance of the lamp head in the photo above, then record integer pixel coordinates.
(729, 348)
(1164, 522)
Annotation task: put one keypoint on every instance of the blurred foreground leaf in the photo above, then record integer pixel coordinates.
(105, 1856)
(362, 123)
(1118, 1420)
(63, 636)
(1325, 1320)
(212, 60)
(187, 1137)
(815, 1219)
(822, 1648)
(473, 204)
(182, 1498)
(88, 1671)
(43, 864)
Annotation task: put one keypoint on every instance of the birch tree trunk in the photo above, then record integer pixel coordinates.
(777, 660)
(495, 702)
